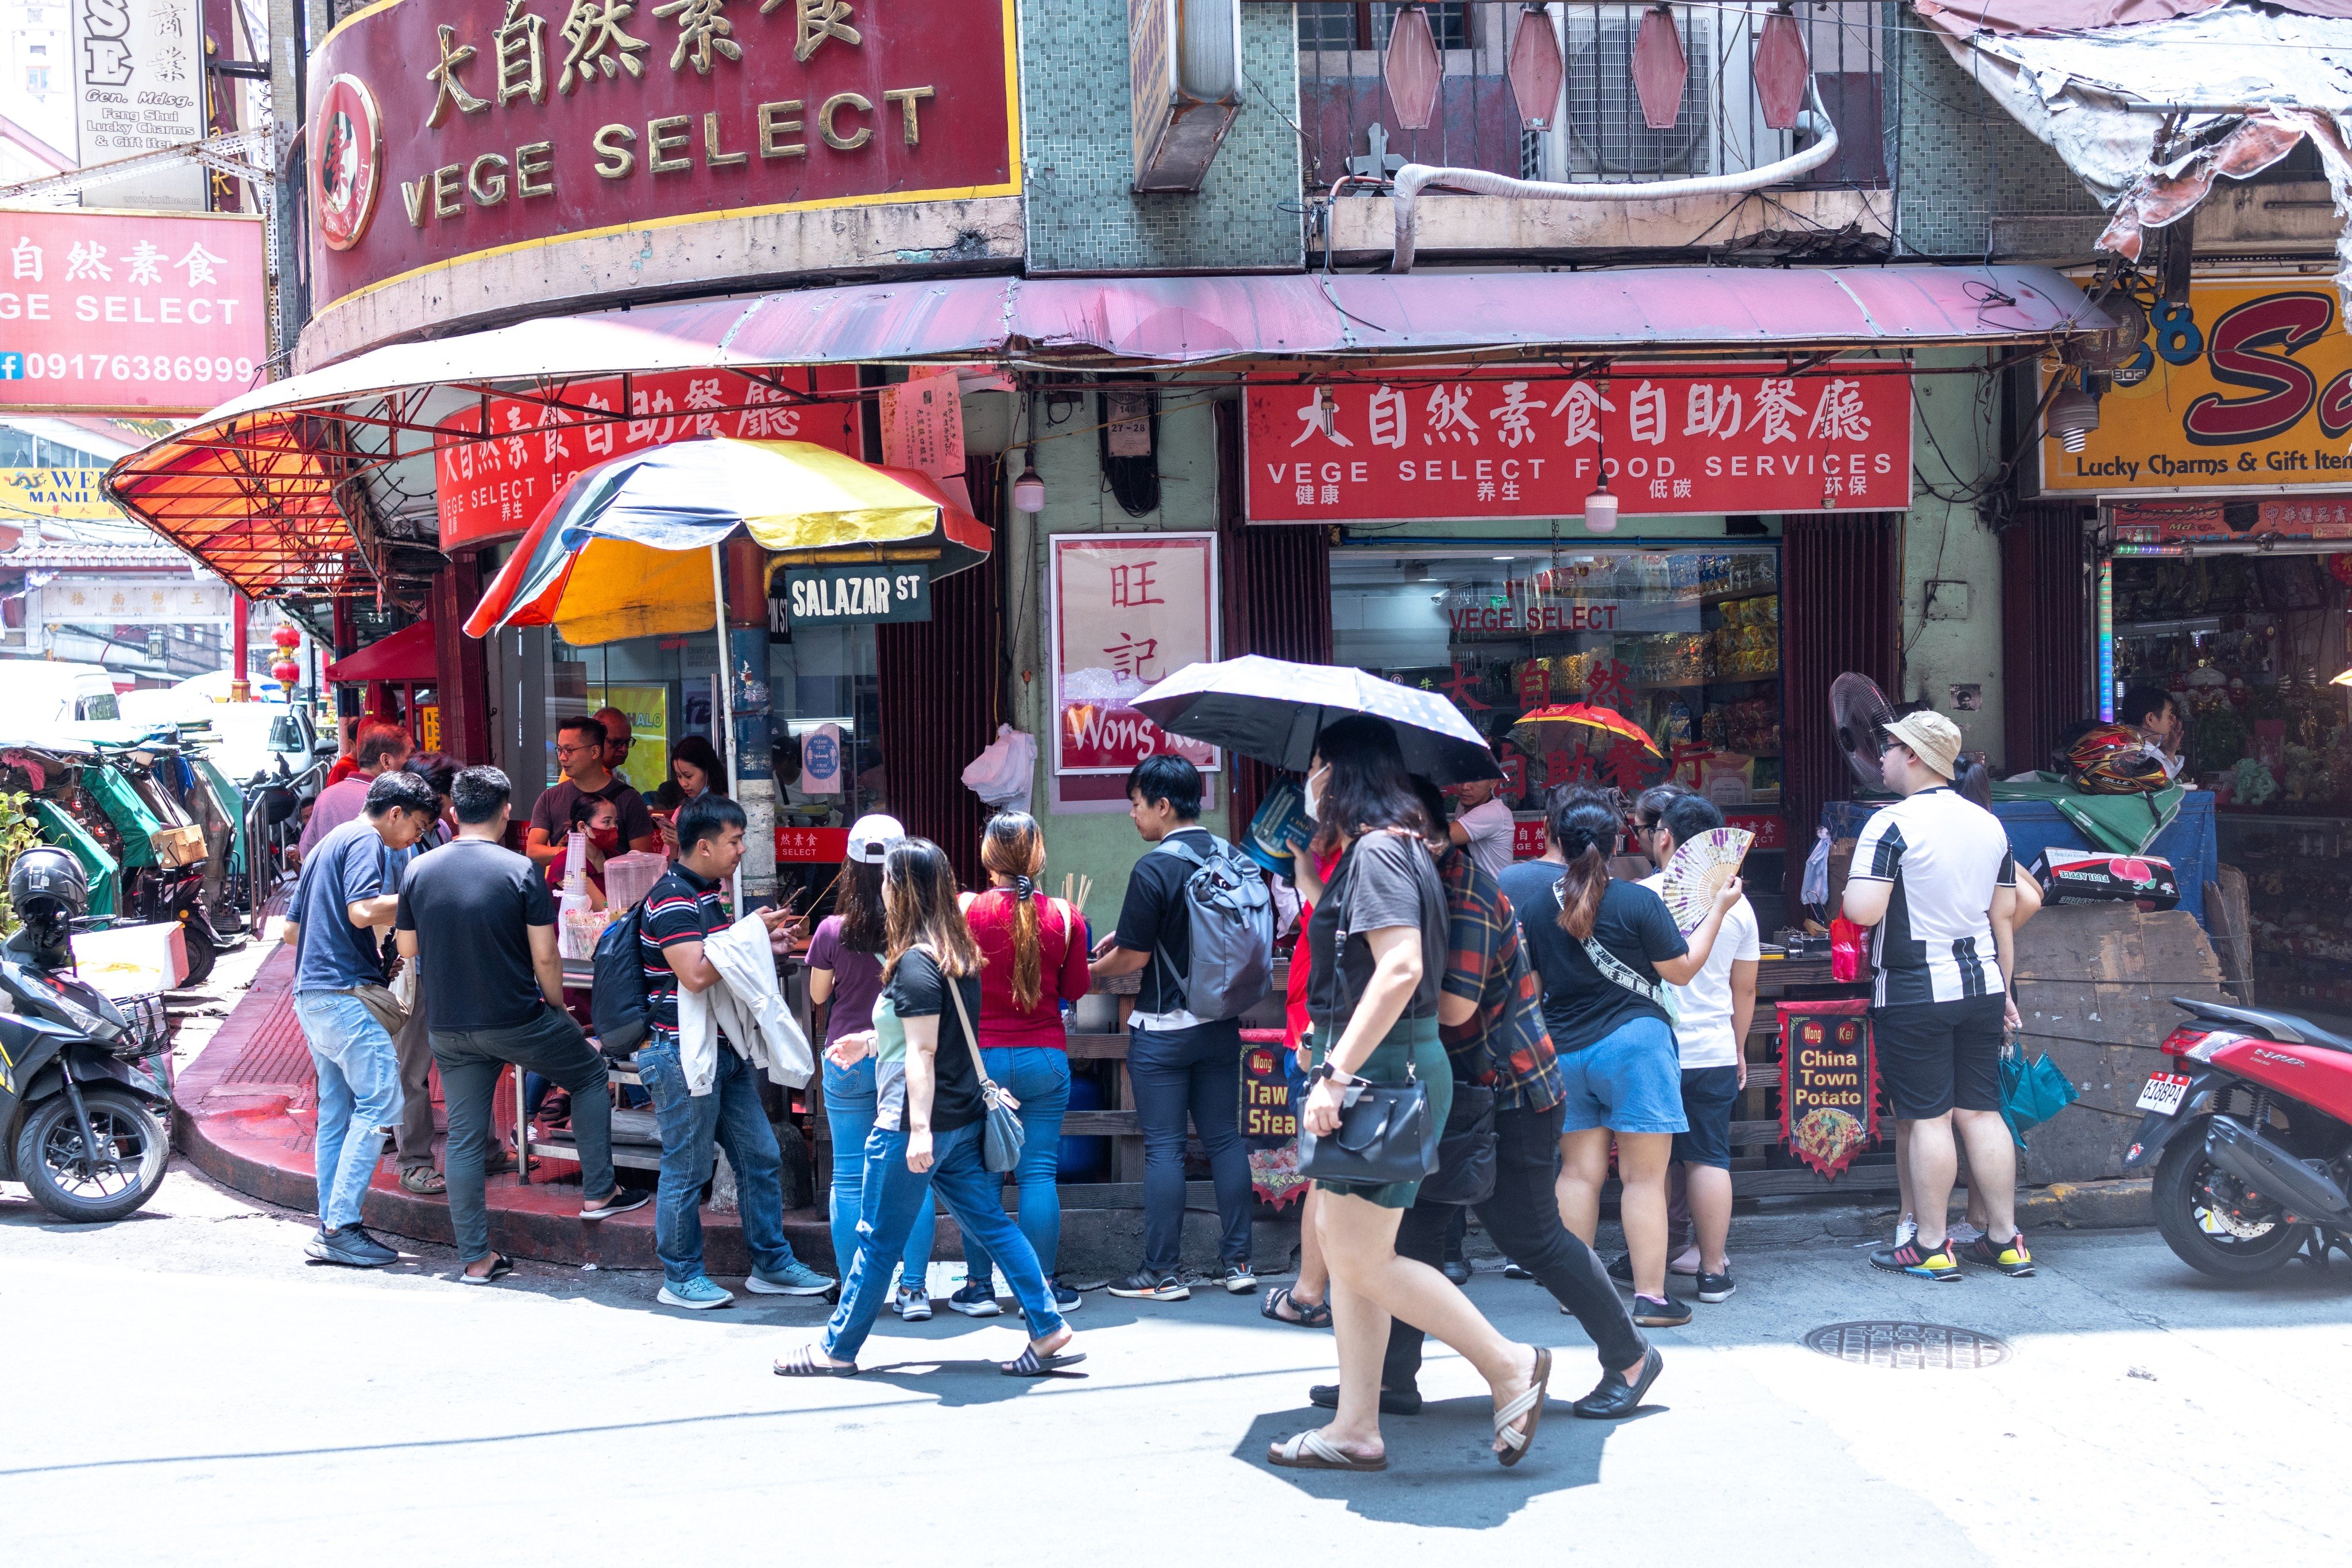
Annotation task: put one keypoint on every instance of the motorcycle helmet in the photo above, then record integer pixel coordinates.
(47, 883)
(2114, 759)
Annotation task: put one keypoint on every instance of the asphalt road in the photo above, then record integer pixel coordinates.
(184, 1386)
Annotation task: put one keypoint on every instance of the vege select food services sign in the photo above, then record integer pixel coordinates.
(450, 127)
(2249, 386)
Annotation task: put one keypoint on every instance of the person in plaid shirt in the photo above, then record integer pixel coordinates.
(1490, 1015)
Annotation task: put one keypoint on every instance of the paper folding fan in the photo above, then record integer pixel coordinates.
(1698, 871)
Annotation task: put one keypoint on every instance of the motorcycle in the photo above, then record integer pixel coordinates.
(2250, 1139)
(85, 1084)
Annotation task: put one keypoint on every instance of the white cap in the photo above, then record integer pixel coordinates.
(871, 835)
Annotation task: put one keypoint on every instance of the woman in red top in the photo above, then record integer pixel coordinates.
(1035, 954)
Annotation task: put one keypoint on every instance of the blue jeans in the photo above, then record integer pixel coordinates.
(849, 1113)
(973, 1194)
(358, 1097)
(1039, 1077)
(1196, 1071)
(731, 1117)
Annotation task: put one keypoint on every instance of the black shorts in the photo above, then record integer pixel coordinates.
(1936, 1056)
(1708, 1095)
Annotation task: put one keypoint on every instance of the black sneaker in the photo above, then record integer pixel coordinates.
(1237, 1279)
(1935, 1263)
(1456, 1269)
(1621, 1268)
(1326, 1397)
(2011, 1257)
(1512, 1271)
(1649, 1312)
(1713, 1288)
(1066, 1301)
(1143, 1285)
(351, 1247)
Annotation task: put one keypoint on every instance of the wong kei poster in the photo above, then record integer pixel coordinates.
(1126, 610)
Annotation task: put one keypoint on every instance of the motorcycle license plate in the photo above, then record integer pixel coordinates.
(2163, 1092)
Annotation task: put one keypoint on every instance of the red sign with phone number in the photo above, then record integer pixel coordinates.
(1681, 440)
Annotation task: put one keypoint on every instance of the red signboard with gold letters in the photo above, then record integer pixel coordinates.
(452, 128)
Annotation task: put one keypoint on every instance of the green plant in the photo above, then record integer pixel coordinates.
(19, 833)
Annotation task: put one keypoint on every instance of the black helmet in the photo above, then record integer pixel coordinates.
(46, 881)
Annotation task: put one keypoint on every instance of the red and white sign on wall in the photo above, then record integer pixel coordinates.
(1486, 445)
(128, 312)
(1126, 609)
(490, 489)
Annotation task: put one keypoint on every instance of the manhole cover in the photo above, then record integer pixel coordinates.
(1909, 1347)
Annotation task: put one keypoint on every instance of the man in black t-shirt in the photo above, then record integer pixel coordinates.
(480, 918)
(1179, 1065)
(680, 912)
(579, 751)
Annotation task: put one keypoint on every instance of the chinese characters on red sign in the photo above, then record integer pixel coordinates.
(1680, 440)
(1128, 610)
(495, 489)
(812, 845)
(141, 312)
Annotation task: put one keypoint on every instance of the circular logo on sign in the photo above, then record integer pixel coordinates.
(820, 757)
(346, 161)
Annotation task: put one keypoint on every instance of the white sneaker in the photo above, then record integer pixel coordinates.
(1960, 1233)
(1906, 1230)
(1685, 1262)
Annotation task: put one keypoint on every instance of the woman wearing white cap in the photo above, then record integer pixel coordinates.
(844, 960)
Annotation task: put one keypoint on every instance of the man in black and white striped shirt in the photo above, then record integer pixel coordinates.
(1933, 873)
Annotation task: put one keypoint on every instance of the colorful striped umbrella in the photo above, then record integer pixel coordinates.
(622, 550)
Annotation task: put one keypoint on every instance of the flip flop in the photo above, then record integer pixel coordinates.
(803, 1363)
(500, 1267)
(1311, 1450)
(1029, 1364)
(1517, 1441)
(1317, 1316)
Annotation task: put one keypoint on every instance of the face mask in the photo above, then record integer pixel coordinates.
(607, 840)
(1315, 791)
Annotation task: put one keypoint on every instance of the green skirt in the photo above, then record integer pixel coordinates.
(1412, 1041)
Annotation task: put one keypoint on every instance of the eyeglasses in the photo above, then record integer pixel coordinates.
(626, 743)
(563, 750)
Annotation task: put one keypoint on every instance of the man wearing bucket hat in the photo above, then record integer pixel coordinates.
(1933, 875)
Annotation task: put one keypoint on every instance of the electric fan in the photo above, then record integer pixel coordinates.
(1861, 712)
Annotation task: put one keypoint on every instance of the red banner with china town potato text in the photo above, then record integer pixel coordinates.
(129, 312)
(491, 490)
(1489, 445)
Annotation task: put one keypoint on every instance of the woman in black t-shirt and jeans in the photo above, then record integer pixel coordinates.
(928, 1121)
(1377, 947)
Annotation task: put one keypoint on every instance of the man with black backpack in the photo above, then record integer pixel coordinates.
(1198, 921)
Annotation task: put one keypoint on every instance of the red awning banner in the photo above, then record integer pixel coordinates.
(408, 655)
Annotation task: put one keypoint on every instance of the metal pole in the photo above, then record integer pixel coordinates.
(725, 693)
(240, 616)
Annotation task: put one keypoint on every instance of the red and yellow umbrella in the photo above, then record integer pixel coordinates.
(1579, 743)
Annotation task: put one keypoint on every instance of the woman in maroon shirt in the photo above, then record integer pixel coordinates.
(1034, 950)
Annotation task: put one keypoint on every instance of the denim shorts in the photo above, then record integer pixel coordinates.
(1708, 1097)
(1630, 1080)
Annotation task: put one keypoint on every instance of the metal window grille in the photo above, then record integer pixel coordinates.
(1608, 135)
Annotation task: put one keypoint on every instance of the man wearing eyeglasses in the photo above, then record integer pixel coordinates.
(580, 746)
(619, 738)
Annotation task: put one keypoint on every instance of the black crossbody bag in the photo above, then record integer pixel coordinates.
(1386, 1131)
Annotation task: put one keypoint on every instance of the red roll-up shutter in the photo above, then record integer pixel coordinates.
(1841, 609)
(1277, 595)
(2044, 653)
(942, 696)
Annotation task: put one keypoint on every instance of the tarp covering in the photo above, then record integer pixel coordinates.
(2079, 15)
(407, 654)
(2149, 115)
(252, 488)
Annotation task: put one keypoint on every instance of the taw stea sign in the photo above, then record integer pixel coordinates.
(448, 128)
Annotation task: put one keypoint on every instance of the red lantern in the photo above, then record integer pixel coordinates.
(1413, 68)
(1661, 68)
(286, 636)
(1536, 69)
(1783, 70)
(286, 672)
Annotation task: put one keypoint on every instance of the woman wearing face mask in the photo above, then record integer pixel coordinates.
(1377, 945)
(600, 820)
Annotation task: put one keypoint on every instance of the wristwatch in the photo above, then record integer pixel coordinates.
(1325, 1070)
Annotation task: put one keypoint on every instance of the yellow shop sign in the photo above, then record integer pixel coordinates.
(2248, 387)
(53, 492)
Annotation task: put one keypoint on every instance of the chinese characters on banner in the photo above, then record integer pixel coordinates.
(1128, 610)
(477, 125)
(923, 428)
(147, 313)
(1681, 440)
(495, 489)
(2315, 516)
(136, 82)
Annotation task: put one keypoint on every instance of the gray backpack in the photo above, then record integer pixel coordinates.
(1231, 915)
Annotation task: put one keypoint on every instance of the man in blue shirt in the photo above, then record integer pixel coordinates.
(348, 895)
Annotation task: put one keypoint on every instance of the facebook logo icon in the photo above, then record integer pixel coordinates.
(12, 367)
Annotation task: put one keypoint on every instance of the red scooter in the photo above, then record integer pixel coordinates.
(2252, 1141)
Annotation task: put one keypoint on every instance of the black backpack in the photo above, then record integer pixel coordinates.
(617, 1004)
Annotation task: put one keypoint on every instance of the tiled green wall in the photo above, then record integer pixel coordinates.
(1077, 123)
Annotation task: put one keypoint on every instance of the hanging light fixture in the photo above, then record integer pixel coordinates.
(1414, 68)
(1600, 506)
(1029, 489)
(2073, 414)
(1661, 68)
(1537, 71)
(1783, 67)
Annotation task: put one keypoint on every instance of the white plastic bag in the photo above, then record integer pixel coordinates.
(1817, 869)
(1003, 774)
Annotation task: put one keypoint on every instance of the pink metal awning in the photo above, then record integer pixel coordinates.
(203, 483)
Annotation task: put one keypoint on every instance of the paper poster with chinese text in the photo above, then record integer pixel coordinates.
(1128, 610)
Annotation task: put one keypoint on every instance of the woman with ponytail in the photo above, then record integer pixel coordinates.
(1033, 950)
(1604, 950)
